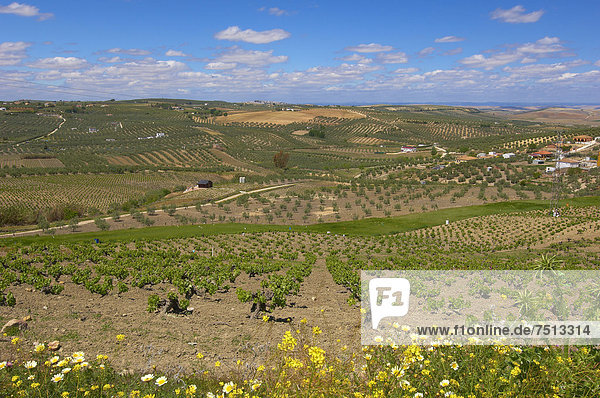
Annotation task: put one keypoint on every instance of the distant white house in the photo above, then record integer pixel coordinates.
(550, 169)
(159, 135)
(567, 163)
(408, 148)
(492, 153)
(92, 130)
(508, 155)
(2, 109)
(481, 155)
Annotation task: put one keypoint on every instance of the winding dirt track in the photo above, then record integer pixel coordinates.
(85, 222)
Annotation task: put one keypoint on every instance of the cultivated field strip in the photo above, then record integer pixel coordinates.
(97, 190)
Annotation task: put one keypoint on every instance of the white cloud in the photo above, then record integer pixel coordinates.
(536, 70)
(392, 58)
(406, 70)
(57, 75)
(449, 39)
(539, 70)
(12, 52)
(516, 15)
(59, 63)
(356, 58)
(249, 57)
(426, 51)
(326, 76)
(25, 10)
(542, 46)
(584, 77)
(111, 60)
(597, 63)
(278, 11)
(481, 61)
(220, 65)
(130, 51)
(175, 53)
(452, 75)
(526, 53)
(369, 48)
(234, 33)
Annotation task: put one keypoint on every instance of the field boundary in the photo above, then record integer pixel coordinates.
(365, 227)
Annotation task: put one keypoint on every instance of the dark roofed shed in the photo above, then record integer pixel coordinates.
(205, 184)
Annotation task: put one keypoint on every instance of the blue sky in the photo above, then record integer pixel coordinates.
(303, 51)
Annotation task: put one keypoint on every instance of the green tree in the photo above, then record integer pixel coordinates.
(102, 224)
(73, 223)
(43, 223)
(281, 159)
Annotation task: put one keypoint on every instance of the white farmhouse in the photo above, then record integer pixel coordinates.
(567, 163)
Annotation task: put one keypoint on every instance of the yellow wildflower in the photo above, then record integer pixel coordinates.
(317, 355)
(288, 343)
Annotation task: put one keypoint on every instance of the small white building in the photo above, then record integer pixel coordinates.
(408, 148)
(567, 163)
(508, 155)
(159, 135)
(2, 109)
(550, 169)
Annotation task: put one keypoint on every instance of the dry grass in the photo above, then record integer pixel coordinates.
(563, 115)
(368, 141)
(208, 131)
(20, 161)
(287, 117)
(300, 132)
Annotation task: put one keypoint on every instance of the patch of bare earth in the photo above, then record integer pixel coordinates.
(219, 326)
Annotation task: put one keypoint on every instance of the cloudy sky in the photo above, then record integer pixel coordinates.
(325, 51)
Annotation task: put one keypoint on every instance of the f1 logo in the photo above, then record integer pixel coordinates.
(388, 297)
